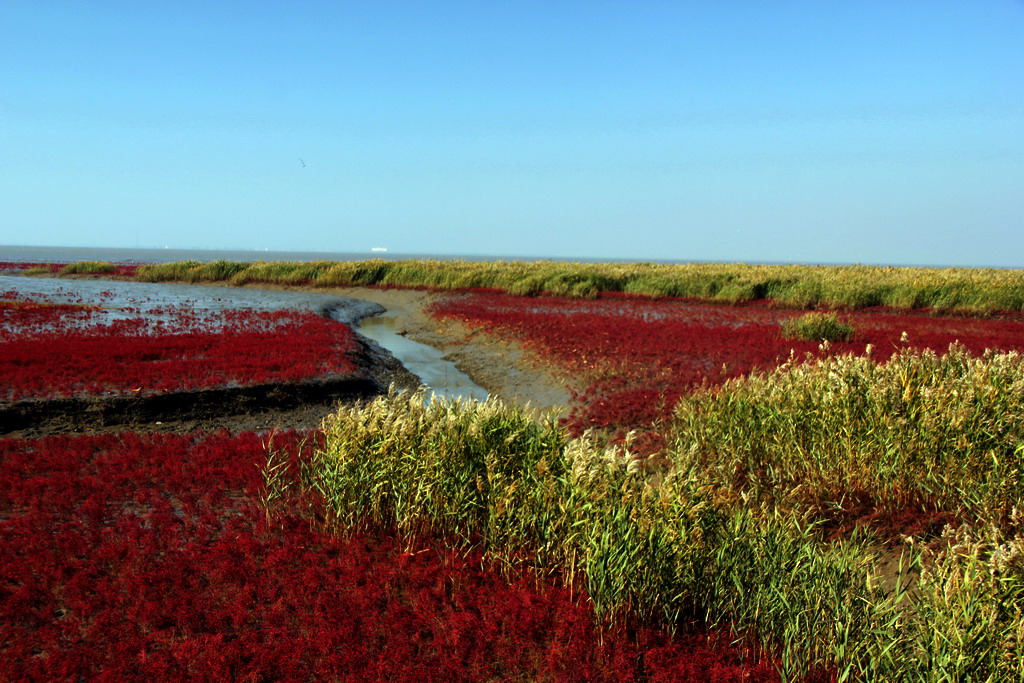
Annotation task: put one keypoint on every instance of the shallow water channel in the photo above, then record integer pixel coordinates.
(426, 362)
(121, 299)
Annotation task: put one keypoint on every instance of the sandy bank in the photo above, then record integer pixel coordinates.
(503, 368)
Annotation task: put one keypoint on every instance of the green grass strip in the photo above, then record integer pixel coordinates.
(970, 290)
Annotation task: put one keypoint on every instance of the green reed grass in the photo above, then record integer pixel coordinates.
(660, 549)
(483, 474)
(817, 327)
(721, 536)
(941, 431)
(429, 467)
(971, 290)
(286, 273)
(970, 626)
(87, 267)
(178, 271)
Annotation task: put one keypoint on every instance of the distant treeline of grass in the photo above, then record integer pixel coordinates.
(974, 290)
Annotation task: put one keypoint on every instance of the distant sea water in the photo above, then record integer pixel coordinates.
(29, 254)
(23, 254)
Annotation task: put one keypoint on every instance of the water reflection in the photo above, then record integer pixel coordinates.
(438, 374)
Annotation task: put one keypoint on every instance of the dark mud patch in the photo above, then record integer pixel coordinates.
(262, 407)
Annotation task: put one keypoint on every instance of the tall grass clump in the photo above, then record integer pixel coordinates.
(38, 270)
(944, 431)
(967, 623)
(817, 327)
(427, 467)
(725, 534)
(646, 544)
(87, 267)
(178, 271)
(281, 272)
(353, 273)
(215, 271)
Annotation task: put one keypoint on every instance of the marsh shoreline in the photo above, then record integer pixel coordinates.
(504, 369)
(261, 407)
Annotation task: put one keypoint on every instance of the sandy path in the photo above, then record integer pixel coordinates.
(503, 368)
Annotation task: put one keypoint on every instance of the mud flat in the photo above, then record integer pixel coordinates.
(117, 297)
(505, 369)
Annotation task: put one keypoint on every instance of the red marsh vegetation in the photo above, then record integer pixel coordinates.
(52, 350)
(636, 356)
(150, 557)
(127, 555)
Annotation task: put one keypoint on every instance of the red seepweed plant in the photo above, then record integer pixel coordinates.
(50, 350)
(148, 556)
(638, 355)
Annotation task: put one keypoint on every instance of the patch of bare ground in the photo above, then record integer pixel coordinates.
(504, 368)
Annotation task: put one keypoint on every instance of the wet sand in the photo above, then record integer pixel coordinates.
(505, 369)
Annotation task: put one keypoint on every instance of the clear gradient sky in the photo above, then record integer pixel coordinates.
(833, 131)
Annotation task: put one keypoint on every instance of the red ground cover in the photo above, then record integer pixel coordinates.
(144, 557)
(50, 350)
(639, 355)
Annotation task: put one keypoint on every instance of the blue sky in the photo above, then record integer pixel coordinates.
(849, 132)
